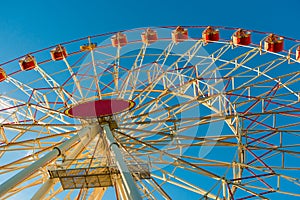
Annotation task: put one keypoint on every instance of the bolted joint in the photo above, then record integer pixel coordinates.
(59, 151)
(114, 143)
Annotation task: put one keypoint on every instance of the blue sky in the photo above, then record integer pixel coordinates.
(26, 26)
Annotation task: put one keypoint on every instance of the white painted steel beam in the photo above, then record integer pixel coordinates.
(34, 167)
(127, 178)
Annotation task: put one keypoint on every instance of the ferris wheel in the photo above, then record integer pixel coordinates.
(187, 112)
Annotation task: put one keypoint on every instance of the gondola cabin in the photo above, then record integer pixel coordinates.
(149, 36)
(88, 47)
(210, 34)
(119, 40)
(58, 53)
(3, 75)
(27, 63)
(273, 43)
(180, 34)
(241, 37)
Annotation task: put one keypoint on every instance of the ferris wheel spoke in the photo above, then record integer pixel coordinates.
(97, 82)
(97, 193)
(189, 54)
(157, 77)
(164, 54)
(267, 68)
(178, 124)
(116, 68)
(156, 158)
(214, 117)
(170, 178)
(26, 113)
(47, 113)
(214, 176)
(145, 190)
(162, 95)
(169, 175)
(250, 193)
(152, 102)
(174, 146)
(31, 93)
(21, 188)
(134, 72)
(73, 75)
(281, 96)
(213, 57)
(172, 108)
(35, 141)
(45, 189)
(244, 58)
(45, 129)
(10, 167)
(275, 149)
(60, 92)
(158, 187)
(56, 192)
(164, 92)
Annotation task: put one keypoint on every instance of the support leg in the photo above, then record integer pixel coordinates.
(127, 178)
(85, 140)
(34, 167)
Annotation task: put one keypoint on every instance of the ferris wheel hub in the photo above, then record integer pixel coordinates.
(99, 108)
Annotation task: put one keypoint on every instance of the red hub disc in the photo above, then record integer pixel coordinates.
(99, 108)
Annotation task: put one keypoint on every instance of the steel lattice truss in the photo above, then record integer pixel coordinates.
(212, 120)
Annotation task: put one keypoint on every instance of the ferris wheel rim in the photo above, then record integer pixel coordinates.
(144, 28)
(225, 43)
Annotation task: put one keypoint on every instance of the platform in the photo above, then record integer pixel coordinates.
(77, 178)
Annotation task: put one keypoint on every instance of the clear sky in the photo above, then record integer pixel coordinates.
(29, 25)
(26, 26)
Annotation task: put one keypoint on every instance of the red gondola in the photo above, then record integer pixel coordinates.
(149, 36)
(273, 43)
(298, 53)
(210, 34)
(58, 53)
(27, 63)
(3, 75)
(241, 37)
(180, 34)
(119, 40)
